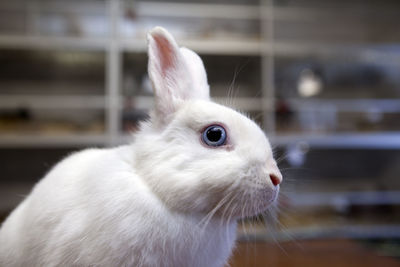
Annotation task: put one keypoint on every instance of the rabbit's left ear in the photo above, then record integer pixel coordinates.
(177, 73)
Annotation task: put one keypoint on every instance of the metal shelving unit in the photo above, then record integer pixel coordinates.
(265, 46)
(114, 45)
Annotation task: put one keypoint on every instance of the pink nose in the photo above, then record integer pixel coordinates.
(275, 180)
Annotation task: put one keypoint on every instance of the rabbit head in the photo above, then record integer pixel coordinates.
(195, 155)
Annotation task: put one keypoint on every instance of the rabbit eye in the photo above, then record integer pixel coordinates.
(214, 135)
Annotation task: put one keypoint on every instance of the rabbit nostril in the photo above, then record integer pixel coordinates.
(275, 180)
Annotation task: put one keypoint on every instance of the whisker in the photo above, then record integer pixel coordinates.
(272, 214)
(272, 230)
(206, 219)
(228, 205)
(231, 90)
(230, 216)
(282, 158)
(257, 116)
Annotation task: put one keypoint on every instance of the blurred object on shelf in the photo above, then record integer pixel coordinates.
(296, 153)
(284, 114)
(340, 78)
(309, 84)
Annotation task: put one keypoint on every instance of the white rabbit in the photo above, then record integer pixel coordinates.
(171, 198)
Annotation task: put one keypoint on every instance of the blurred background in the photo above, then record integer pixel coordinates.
(321, 77)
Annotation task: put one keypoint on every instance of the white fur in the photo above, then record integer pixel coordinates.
(164, 200)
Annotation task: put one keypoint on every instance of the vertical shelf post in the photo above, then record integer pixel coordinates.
(267, 66)
(113, 69)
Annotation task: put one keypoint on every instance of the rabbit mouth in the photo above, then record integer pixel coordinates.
(248, 200)
(261, 193)
(259, 201)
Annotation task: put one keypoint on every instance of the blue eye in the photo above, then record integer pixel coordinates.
(214, 135)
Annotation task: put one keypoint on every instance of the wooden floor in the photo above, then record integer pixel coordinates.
(332, 253)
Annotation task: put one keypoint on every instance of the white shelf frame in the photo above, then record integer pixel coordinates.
(388, 140)
(348, 105)
(198, 10)
(54, 102)
(266, 48)
(51, 141)
(53, 42)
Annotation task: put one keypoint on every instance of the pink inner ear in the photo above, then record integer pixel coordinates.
(165, 53)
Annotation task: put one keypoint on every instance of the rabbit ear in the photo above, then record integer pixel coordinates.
(177, 73)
